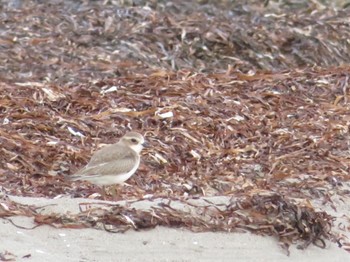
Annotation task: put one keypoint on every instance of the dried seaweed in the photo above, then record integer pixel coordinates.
(72, 41)
(227, 134)
(262, 214)
(10, 208)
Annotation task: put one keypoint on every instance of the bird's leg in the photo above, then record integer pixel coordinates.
(114, 193)
(103, 193)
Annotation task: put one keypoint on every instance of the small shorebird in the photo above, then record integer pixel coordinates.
(113, 164)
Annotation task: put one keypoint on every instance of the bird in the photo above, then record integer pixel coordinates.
(113, 164)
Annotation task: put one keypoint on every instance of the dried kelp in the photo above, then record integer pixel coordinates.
(213, 134)
(72, 41)
(263, 214)
(10, 208)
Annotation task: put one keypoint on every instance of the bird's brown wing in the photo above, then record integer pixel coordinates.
(110, 153)
(121, 165)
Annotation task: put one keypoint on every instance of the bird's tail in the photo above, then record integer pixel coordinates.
(75, 177)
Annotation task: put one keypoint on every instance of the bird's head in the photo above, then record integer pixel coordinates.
(133, 140)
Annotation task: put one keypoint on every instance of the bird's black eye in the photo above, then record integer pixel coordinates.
(133, 140)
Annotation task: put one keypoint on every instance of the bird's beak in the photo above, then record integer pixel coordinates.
(145, 145)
